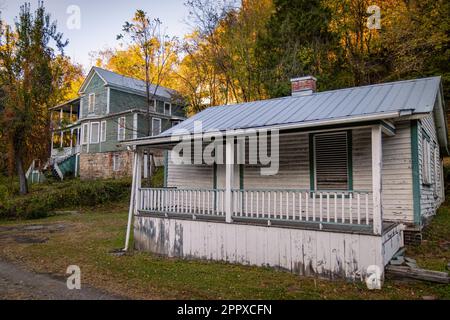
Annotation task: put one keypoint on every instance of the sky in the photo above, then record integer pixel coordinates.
(100, 21)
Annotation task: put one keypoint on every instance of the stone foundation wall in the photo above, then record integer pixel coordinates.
(100, 165)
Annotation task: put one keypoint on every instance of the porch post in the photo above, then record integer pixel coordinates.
(132, 202)
(138, 170)
(229, 179)
(377, 165)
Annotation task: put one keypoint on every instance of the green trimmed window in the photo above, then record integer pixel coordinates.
(331, 161)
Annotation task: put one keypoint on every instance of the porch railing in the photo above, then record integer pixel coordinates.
(326, 207)
(183, 201)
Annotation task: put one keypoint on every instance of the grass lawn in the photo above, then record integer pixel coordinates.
(87, 239)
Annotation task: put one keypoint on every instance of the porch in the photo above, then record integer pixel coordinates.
(317, 231)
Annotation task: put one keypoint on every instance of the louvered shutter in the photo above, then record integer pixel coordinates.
(331, 161)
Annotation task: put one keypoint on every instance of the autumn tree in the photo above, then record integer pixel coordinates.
(156, 48)
(27, 82)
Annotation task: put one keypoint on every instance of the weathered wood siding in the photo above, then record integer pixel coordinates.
(430, 195)
(304, 252)
(397, 194)
(190, 176)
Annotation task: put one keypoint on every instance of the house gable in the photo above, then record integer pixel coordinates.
(94, 85)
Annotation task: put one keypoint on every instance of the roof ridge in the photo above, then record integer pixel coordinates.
(329, 91)
(132, 78)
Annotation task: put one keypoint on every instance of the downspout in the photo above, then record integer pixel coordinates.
(132, 202)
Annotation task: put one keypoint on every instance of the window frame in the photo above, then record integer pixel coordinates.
(160, 126)
(119, 128)
(313, 160)
(91, 106)
(170, 109)
(103, 127)
(116, 162)
(91, 141)
(85, 134)
(154, 104)
(426, 160)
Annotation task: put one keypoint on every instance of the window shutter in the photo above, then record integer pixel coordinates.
(331, 161)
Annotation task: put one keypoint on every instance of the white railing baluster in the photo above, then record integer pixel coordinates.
(293, 206)
(300, 206)
(321, 207)
(306, 206)
(359, 208)
(281, 205)
(314, 206)
(328, 207)
(350, 205)
(287, 205)
(343, 207)
(367, 209)
(335, 207)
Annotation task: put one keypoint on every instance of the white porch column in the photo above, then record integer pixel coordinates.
(138, 170)
(229, 179)
(135, 194)
(377, 165)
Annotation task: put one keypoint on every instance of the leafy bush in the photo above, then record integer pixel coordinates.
(46, 198)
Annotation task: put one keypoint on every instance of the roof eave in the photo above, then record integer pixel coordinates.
(158, 140)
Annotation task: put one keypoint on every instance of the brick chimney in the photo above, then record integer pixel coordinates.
(303, 86)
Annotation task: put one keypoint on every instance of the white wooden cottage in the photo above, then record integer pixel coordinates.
(358, 169)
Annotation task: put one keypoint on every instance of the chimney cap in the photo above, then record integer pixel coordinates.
(304, 78)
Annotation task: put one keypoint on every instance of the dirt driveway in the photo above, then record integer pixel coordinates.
(16, 283)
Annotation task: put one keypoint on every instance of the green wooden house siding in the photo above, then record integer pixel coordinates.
(120, 102)
(96, 86)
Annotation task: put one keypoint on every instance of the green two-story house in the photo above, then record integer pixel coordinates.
(111, 108)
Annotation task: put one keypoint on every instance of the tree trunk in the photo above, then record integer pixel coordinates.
(23, 185)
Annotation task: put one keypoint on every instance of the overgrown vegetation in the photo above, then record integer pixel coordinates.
(44, 199)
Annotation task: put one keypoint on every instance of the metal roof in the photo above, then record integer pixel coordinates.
(118, 80)
(403, 97)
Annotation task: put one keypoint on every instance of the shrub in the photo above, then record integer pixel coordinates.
(46, 198)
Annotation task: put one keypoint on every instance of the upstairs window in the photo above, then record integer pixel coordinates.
(331, 161)
(156, 126)
(91, 104)
(121, 129)
(426, 161)
(153, 104)
(167, 109)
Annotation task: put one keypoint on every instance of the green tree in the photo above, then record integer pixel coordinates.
(27, 80)
(157, 51)
(297, 41)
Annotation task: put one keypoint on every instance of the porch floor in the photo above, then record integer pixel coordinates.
(289, 224)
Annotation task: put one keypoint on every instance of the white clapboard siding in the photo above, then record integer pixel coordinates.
(430, 196)
(397, 194)
(294, 167)
(190, 176)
